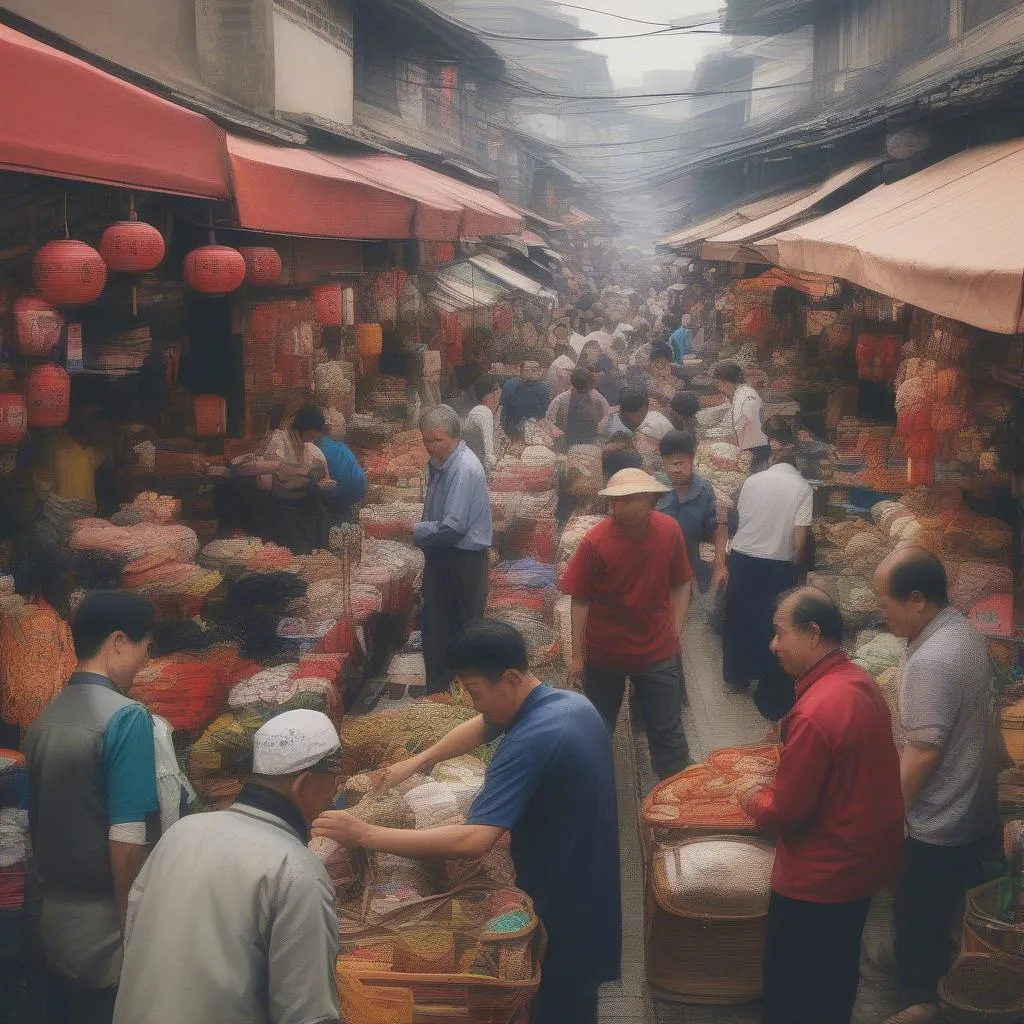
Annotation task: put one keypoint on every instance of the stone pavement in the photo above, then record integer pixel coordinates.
(715, 718)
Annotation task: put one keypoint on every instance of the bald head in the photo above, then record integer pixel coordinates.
(807, 628)
(912, 588)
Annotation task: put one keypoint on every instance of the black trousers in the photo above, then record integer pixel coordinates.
(70, 1003)
(659, 694)
(812, 960)
(454, 593)
(934, 881)
(555, 1004)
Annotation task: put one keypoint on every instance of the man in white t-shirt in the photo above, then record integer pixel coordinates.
(635, 416)
(478, 430)
(774, 511)
(602, 334)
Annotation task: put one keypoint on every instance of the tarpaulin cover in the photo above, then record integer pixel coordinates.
(61, 116)
(513, 278)
(947, 239)
(730, 244)
(732, 218)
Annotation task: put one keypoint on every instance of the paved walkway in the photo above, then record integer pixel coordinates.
(715, 718)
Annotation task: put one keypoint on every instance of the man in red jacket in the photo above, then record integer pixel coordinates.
(837, 809)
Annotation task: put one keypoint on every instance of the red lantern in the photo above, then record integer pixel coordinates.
(13, 417)
(37, 326)
(214, 269)
(69, 273)
(328, 303)
(262, 264)
(132, 247)
(48, 391)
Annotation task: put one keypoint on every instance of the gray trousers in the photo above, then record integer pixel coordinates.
(659, 694)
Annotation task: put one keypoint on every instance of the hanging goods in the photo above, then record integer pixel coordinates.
(48, 394)
(262, 264)
(69, 273)
(369, 339)
(37, 326)
(214, 269)
(328, 305)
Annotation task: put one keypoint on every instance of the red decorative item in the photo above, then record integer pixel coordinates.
(262, 264)
(69, 273)
(327, 300)
(214, 269)
(132, 247)
(211, 415)
(13, 417)
(37, 326)
(48, 391)
(265, 321)
(501, 319)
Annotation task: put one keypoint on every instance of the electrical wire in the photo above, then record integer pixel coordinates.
(620, 17)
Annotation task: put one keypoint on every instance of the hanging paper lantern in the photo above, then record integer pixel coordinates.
(327, 299)
(262, 264)
(369, 339)
(37, 326)
(13, 417)
(69, 273)
(214, 269)
(48, 393)
(132, 247)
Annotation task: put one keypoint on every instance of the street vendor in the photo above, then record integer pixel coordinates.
(747, 414)
(524, 397)
(455, 535)
(551, 785)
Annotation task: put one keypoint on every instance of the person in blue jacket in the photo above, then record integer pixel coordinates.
(348, 476)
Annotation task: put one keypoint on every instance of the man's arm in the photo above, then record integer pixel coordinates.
(800, 535)
(917, 763)
(126, 860)
(454, 524)
(680, 598)
(448, 841)
(721, 573)
(578, 614)
(461, 740)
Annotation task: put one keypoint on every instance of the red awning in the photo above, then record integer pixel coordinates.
(300, 192)
(63, 117)
(483, 213)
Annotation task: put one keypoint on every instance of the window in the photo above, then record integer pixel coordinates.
(377, 73)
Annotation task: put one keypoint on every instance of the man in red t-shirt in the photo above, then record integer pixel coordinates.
(836, 808)
(630, 587)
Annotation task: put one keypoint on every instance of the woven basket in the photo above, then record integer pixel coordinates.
(982, 988)
(703, 957)
(984, 920)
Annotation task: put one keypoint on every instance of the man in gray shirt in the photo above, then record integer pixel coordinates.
(232, 919)
(455, 535)
(949, 738)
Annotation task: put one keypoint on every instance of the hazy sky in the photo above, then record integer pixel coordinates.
(628, 58)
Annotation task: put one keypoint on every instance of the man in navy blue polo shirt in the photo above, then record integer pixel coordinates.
(551, 784)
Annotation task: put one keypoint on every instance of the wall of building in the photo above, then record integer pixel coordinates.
(313, 62)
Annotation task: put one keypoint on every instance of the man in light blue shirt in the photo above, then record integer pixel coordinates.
(455, 535)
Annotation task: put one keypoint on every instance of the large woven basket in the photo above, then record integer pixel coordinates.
(705, 951)
(987, 921)
(981, 988)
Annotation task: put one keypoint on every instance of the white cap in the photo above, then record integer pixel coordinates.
(292, 742)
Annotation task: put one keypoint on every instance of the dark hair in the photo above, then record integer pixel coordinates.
(580, 379)
(487, 384)
(918, 571)
(490, 647)
(813, 607)
(612, 462)
(678, 442)
(685, 403)
(275, 417)
(777, 429)
(633, 399)
(105, 612)
(309, 417)
(728, 371)
(561, 349)
(529, 356)
(661, 350)
(786, 456)
(466, 374)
